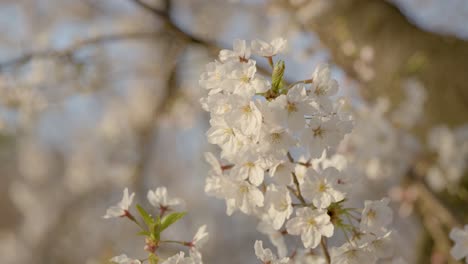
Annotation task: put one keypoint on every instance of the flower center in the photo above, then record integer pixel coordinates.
(247, 109)
(275, 137)
(371, 214)
(291, 107)
(229, 131)
(283, 205)
(250, 164)
(311, 222)
(243, 189)
(318, 132)
(322, 187)
(319, 90)
(245, 79)
(218, 76)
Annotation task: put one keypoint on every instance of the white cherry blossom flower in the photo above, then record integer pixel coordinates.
(323, 86)
(198, 241)
(243, 196)
(281, 172)
(324, 134)
(311, 225)
(322, 188)
(181, 259)
(217, 185)
(275, 236)
(121, 209)
(240, 77)
(382, 246)
(244, 115)
(240, 52)
(214, 76)
(160, 199)
(242, 80)
(266, 256)
(227, 137)
(200, 237)
(275, 142)
(460, 237)
(376, 216)
(265, 49)
(123, 259)
(352, 253)
(216, 167)
(303, 256)
(289, 110)
(217, 104)
(249, 166)
(279, 205)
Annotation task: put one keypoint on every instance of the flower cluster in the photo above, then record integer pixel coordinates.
(154, 226)
(451, 149)
(274, 140)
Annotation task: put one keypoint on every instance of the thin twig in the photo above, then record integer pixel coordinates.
(160, 13)
(298, 189)
(323, 244)
(68, 51)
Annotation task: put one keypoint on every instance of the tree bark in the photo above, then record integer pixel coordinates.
(401, 51)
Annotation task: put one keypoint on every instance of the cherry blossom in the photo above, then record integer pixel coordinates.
(311, 225)
(123, 259)
(121, 209)
(266, 255)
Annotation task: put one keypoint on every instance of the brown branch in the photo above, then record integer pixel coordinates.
(146, 134)
(160, 13)
(428, 200)
(188, 36)
(68, 51)
(171, 27)
(323, 244)
(298, 189)
(436, 231)
(435, 216)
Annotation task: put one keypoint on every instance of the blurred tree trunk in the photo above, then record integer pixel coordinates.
(401, 50)
(8, 171)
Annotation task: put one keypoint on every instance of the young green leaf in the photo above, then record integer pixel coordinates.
(144, 233)
(145, 215)
(277, 76)
(170, 219)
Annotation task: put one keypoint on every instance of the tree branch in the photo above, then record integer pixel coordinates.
(160, 13)
(68, 51)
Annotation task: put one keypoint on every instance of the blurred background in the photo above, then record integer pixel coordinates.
(97, 95)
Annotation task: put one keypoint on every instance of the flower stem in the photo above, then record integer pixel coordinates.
(298, 82)
(175, 242)
(298, 189)
(323, 244)
(270, 61)
(133, 219)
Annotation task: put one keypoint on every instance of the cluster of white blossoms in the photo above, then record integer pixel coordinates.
(271, 134)
(451, 149)
(153, 227)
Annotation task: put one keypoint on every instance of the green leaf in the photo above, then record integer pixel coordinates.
(144, 233)
(277, 76)
(170, 219)
(145, 215)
